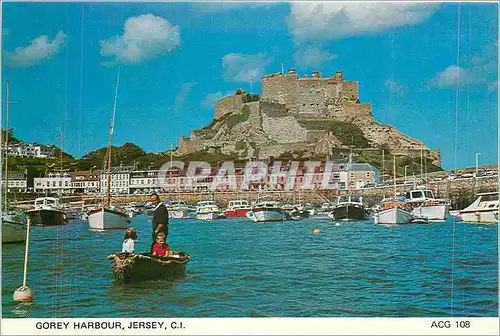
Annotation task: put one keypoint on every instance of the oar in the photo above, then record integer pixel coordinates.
(24, 293)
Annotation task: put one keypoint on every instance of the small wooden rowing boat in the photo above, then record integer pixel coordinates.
(137, 267)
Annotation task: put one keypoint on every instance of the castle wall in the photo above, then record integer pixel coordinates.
(283, 129)
(350, 90)
(280, 88)
(273, 109)
(230, 104)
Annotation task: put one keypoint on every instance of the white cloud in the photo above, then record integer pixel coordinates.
(395, 87)
(449, 77)
(242, 67)
(182, 95)
(309, 57)
(212, 98)
(40, 49)
(482, 71)
(144, 37)
(313, 21)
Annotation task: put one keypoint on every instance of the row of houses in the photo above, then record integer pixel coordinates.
(126, 180)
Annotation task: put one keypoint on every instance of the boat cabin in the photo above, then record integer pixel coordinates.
(206, 203)
(487, 200)
(47, 202)
(419, 195)
(350, 199)
(238, 204)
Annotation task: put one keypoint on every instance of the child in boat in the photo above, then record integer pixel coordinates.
(160, 249)
(129, 240)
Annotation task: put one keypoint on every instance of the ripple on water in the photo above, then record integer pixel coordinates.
(242, 269)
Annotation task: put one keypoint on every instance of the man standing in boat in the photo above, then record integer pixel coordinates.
(160, 218)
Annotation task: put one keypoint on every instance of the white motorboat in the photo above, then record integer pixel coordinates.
(178, 210)
(266, 211)
(424, 204)
(483, 210)
(207, 210)
(47, 212)
(14, 228)
(392, 211)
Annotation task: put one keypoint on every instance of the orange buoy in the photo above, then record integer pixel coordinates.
(316, 231)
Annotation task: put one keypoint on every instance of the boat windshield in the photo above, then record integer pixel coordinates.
(428, 194)
(356, 198)
(492, 197)
(343, 199)
(417, 194)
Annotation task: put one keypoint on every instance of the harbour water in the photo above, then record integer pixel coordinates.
(242, 269)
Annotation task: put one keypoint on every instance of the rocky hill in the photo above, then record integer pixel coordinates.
(305, 117)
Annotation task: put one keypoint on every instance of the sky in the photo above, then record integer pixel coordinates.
(429, 69)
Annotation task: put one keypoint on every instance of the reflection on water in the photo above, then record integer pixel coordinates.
(242, 269)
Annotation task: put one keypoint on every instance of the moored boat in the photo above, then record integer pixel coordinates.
(266, 211)
(207, 210)
(178, 210)
(106, 218)
(424, 204)
(237, 209)
(350, 207)
(138, 267)
(14, 228)
(47, 212)
(483, 210)
(392, 211)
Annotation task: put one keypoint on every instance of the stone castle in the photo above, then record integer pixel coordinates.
(292, 115)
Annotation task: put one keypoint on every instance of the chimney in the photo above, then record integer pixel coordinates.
(316, 74)
(292, 71)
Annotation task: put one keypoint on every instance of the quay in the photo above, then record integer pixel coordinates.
(460, 192)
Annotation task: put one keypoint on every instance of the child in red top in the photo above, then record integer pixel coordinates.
(160, 249)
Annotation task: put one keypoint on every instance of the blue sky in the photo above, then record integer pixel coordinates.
(178, 58)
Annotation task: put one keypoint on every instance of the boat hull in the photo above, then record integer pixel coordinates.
(236, 213)
(13, 231)
(178, 214)
(350, 212)
(47, 217)
(433, 212)
(105, 219)
(394, 215)
(139, 267)
(207, 215)
(267, 216)
(480, 216)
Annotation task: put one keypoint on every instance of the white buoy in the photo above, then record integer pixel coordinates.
(24, 293)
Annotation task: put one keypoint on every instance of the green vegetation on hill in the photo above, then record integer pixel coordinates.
(234, 119)
(348, 133)
(11, 137)
(126, 155)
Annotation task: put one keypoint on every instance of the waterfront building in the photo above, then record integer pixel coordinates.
(53, 182)
(17, 181)
(120, 180)
(86, 182)
(144, 182)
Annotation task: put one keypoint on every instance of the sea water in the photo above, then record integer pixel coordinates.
(243, 269)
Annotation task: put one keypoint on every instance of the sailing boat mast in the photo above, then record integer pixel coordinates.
(6, 185)
(108, 184)
(394, 177)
